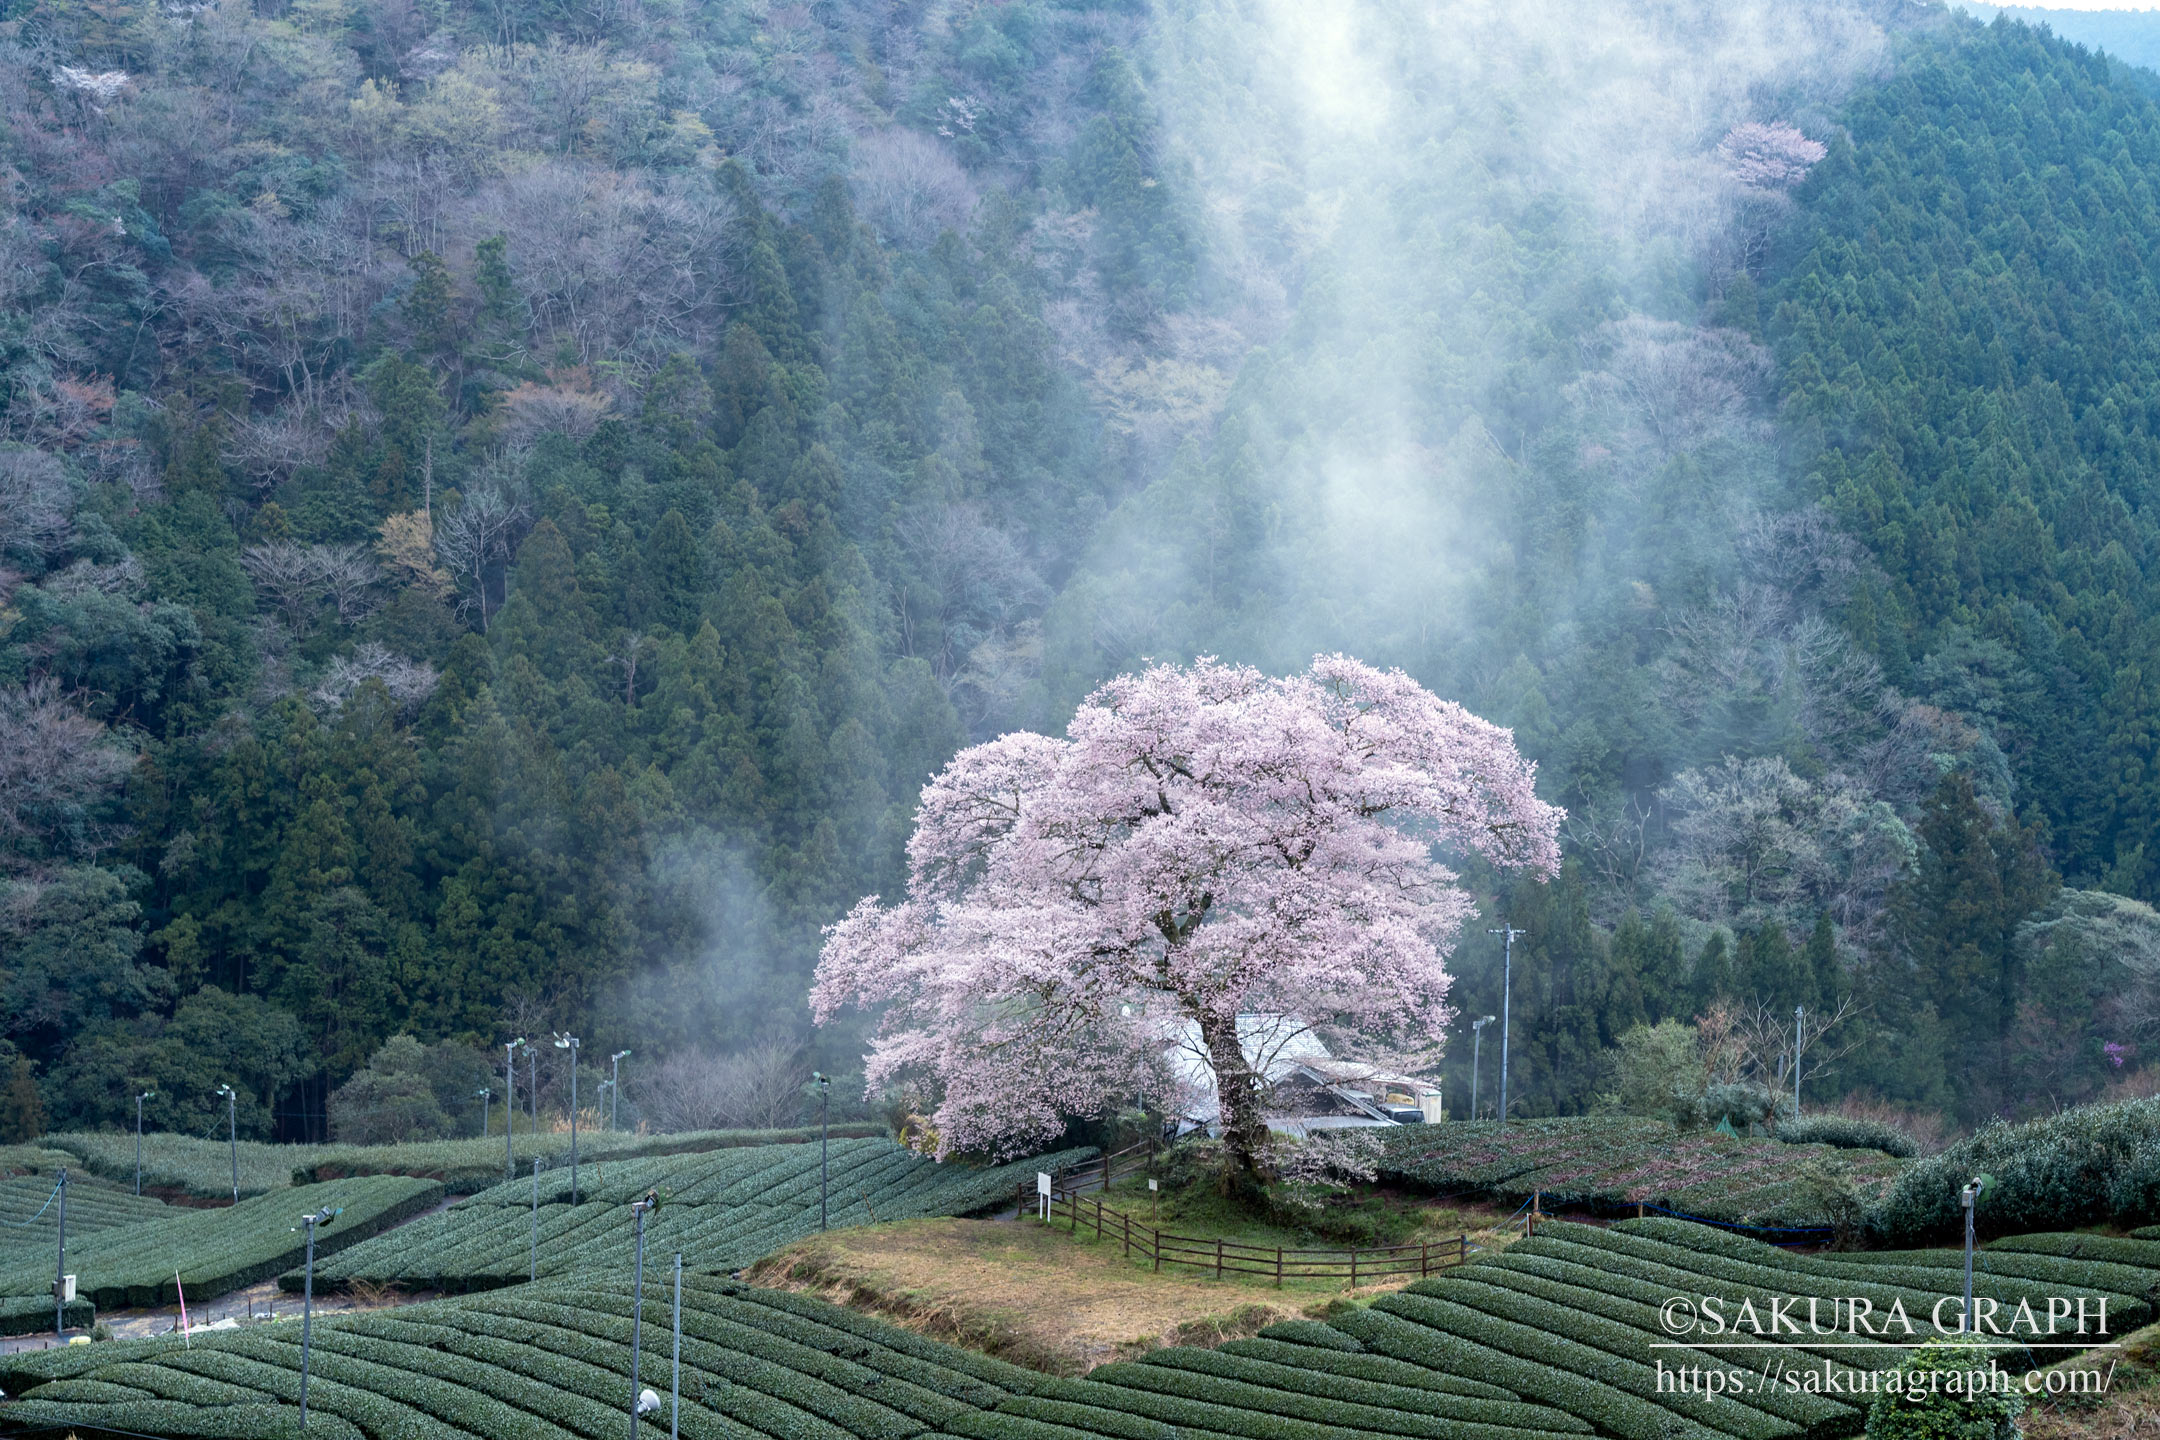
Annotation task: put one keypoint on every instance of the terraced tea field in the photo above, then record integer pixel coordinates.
(30, 1215)
(1550, 1339)
(1611, 1164)
(210, 1252)
(724, 1209)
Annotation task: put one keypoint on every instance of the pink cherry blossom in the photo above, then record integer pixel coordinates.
(1769, 157)
(1205, 841)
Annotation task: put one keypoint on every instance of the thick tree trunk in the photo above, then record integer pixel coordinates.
(1237, 1095)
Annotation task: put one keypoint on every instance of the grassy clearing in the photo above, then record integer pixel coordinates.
(1024, 1293)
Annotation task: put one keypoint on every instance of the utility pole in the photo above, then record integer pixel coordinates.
(1970, 1195)
(146, 1095)
(510, 1050)
(1507, 987)
(1477, 1057)
(615, 1087)
(535, 1272)
(232, 1134)
(487, 1098)
(569, 1042)
(824, 1087)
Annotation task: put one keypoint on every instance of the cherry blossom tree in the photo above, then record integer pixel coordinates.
(1205, 842)
(1769, 156)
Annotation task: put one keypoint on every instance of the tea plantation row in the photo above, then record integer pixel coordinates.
(1613, 1163)
(724, 1209)
(208, 1252)
(30, 1212)
(201, 1169)
(1559, 1336)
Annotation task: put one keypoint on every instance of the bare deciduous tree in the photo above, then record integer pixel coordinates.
(55, 762)
(760, 1088)
(480, 533)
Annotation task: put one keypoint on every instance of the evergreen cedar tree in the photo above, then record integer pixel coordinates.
(1205, 842)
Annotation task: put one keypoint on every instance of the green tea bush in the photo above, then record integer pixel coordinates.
(1948, 1391)
(728, 1207)
(1611, 1163)
(183, 1165)
(1355, 1364)
(218, 1251)
(2096, 1164)
(1848, 1133)
(1341, 1390)
(30, 1314)
(471, 1165)
(30, 1215)
(1612, 1411)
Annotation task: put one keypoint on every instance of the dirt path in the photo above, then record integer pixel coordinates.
(1028, 1294)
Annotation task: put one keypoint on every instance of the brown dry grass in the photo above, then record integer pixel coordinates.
(2130, 1408)
(1028, 1294)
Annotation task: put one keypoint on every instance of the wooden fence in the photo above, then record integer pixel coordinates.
(1356, 1265)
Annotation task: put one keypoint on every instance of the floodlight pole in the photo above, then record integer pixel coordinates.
(510, 1106)
(232, 1134)
(1968, 1195)
(824, 1086)
(615, 1087)
(1507, 987)
(638, 1208)
(146, 1095)
(567, 1041)
(532, 1082)
(59, 1284)
(487, 1098)
(307, 1303)
(1477, 1057)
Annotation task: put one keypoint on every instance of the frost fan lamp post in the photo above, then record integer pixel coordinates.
(307, 1303)
(640, 1209)
(824, 1090)
(615, 1087)
(1477, 1057)
(569, 1042)
(1970, 1196)
(1507, 987)
(232, 1134)
(146, 1095)
(487, 1098)
(510, 1049)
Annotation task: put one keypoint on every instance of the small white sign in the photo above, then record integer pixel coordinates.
(1152, 1185)
(1042, 1182)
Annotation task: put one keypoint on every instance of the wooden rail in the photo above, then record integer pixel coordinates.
(1356, 1264)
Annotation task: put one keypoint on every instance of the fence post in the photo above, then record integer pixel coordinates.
(1218, 1257)
(1106, 1174)
(1278, 1267)
(1638, 1209)
(1424, 1258)
(1353, 1267)
(1127, 1219)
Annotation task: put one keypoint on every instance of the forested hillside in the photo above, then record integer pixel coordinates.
(503, 507)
